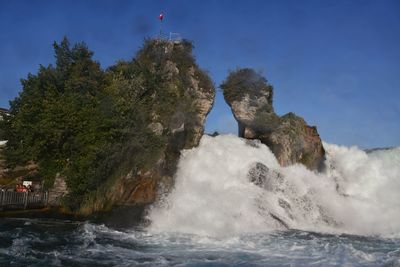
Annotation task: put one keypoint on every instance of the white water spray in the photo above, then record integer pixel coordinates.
(215, 195)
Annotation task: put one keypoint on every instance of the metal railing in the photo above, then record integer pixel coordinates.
(23, 200)
(175, 37)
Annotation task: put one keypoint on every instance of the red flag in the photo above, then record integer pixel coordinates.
(161, 16)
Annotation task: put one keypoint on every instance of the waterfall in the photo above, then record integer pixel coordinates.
(229, 186)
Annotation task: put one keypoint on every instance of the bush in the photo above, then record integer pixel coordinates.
(245, 81)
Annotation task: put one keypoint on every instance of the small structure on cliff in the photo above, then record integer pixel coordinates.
(175, 37)
(289, 137)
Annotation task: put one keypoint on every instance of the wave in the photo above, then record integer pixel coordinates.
(231, 186)
(38, 242)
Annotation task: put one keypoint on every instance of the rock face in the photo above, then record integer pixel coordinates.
(172, 96)
(58, 191)
(261, 175)
(190, 93)
(183, 127)
(289, 137)
(292, 203)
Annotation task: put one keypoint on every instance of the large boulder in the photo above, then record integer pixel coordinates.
(289, 137)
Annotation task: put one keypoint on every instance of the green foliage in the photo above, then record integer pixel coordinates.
(245, 81)
(57, 120)
(67, 121)
(2, 130)
(91, 125)
(306, 159)
(265, 122)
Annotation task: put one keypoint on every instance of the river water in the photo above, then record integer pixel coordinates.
(226, 210)
(27, 242)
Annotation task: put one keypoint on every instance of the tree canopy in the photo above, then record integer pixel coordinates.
(245, 81)
(76, 119)
(91, 125)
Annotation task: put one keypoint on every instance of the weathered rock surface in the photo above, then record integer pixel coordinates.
(262, 176)
(57, 191)
(191, 94)
(292, 203)
(289, 137)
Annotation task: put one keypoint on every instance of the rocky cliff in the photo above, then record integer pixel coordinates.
(289, 137)
(177, 111)
(107, 138)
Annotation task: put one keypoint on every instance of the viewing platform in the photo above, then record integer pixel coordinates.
(10, 200)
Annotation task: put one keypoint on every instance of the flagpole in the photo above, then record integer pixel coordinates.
(161, 17)
(160, 28)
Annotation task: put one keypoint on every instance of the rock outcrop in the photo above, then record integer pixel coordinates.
(292, 204)
(177, 116)
(289, 137)
(130, 124)
(57, 191)
(262, 176)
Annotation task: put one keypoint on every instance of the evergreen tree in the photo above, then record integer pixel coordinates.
(91, 125)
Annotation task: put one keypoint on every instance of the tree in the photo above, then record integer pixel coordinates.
(244, 81)
(57, 119)
(91, 125)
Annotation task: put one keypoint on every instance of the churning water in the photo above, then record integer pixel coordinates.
(233, 205)
(62, 243)
(230, 186)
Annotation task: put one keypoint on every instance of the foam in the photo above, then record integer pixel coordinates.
(213, 196)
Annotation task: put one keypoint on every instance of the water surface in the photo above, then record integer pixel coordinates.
(27, 242)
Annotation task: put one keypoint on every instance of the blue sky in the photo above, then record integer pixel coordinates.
(335, 63)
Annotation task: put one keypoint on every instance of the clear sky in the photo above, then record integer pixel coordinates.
(334, 62)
